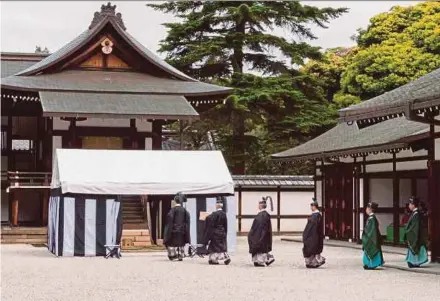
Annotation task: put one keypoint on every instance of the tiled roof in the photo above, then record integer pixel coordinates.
(107, 81)
(346, 139)
(422, 93)
(71, 104)
(14, 62)
(273, 181)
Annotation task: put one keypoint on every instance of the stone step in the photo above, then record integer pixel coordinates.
(24, 230)
(24, 240)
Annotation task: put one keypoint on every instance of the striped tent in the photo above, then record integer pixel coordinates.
(85, 211)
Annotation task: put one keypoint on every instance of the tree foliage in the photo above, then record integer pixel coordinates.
(397, 47)
(222, 40)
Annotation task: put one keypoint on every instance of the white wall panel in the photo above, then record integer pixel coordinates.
(404, 191)
(381, 192)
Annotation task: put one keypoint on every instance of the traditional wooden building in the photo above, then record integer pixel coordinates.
(103, 90)
(385, 149)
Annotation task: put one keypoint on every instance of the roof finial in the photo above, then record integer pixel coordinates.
(108, 10)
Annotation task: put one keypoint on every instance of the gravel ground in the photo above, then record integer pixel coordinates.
(30, 273)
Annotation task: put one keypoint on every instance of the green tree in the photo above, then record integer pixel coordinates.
(396, 48)
(220, 40)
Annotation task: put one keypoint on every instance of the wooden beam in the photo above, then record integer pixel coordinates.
(14, 221)
(396, 197)
(278, 209)
(157, 134)
(103, 132)
(240, 209)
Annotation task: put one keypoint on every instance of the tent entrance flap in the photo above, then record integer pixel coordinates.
(131, 172)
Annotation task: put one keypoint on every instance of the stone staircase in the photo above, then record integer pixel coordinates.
(135, 234)
(23, 235)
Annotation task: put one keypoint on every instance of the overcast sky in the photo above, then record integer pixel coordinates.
(25, 24)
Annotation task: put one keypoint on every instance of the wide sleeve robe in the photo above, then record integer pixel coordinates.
(260, 235)
(216, 230)
(177, 228)
(313, 235)
(371, 238)
(416, 232)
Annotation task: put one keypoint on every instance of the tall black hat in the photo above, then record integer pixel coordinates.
(180, 198)
(414, 200)
(220, 200)
(373, 205)
(314, 203)
(264, 201)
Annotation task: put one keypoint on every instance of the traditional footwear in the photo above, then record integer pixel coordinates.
(212, 262)
(411, 266)
(227, 261)
(258, 264)
(171, 258)
(272, 260)
(309, 266)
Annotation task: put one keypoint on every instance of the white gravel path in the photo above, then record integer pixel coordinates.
(32, 274)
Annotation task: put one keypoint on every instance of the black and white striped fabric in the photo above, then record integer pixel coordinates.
(81, 225)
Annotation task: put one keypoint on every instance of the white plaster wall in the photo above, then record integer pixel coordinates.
(292, 202)
(381, 192)
(4, 206)
(4, 120)
(148, 143)
(379, 167)
(59, 124)
(384, 220)
(404, 191)
(318, 189)
(56, 143)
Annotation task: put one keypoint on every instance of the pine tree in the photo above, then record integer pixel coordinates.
(221, 40)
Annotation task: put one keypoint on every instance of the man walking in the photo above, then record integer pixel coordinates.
(177, 227)
(215, 235)
(313, 238)
(260, 235)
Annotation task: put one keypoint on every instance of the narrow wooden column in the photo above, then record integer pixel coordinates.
(434, 208)
(279, 209)
(72, 130)
(133, 134)
(239, 208)
(157, 134)
(14, 221)
(396, 193)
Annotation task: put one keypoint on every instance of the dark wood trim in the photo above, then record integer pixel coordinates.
(275, 189)
(156, 127)
(396, 196)
(285, 216)
(240, 204)
(103, 132)
(413, 187)
(278, 209)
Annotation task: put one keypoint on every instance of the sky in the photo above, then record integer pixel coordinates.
(52, 24)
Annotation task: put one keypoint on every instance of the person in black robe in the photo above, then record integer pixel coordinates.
(176, 234)
(260, 235)
(313, 238)
(215, 236)
(416, 235)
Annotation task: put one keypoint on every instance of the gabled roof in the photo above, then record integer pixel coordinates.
(107, 16)
(12, 63)
(344, 139)
(50, 74)
(419, 95)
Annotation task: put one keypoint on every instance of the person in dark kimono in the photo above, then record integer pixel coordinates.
(260, 235)
(416, 235)
(177, 227)
(372, 240)
(216, 230)
(313, 238)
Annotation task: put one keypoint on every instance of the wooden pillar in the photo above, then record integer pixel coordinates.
(279, 209)
(157, 134)
(434, 208)
(14, 221)
(366, 187)
(11, 164)
(239, 208)
(357, 201)
(396, 193)
(133, 134)
(181, 133)
(72, 130)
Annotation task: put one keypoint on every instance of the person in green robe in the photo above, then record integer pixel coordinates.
(372, 240)
(416, 236)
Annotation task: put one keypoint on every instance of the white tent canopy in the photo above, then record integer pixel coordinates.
(141, 172)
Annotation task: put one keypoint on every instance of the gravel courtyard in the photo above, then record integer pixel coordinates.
(30, 273)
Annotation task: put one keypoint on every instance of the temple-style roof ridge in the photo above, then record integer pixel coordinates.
(110, 11)
(100, 20)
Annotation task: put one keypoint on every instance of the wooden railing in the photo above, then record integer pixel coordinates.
(27, 179)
